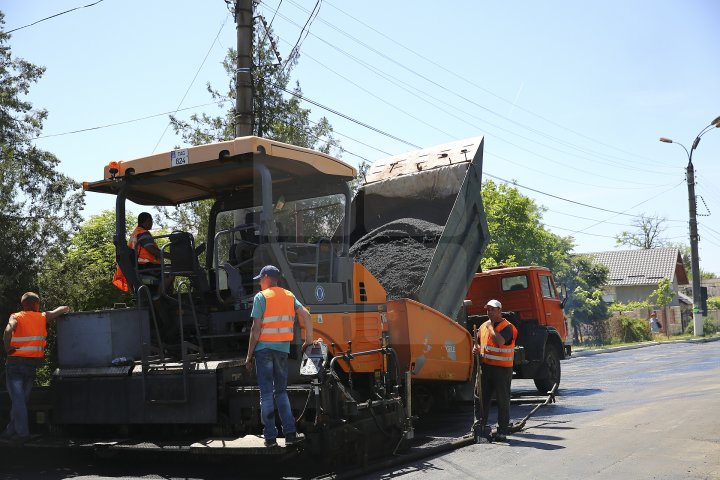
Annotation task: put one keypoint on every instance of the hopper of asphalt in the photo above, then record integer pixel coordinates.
(398, 254)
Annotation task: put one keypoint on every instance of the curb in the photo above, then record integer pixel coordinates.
(587, 353)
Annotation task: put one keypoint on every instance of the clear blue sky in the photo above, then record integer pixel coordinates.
(571, 96)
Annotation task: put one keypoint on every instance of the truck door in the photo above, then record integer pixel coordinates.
(554, 316)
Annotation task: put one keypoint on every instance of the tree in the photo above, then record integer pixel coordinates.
(646, 235)
(276, 117)
(81, 278)
(517, 235)
(685, 254)
(584, 280)
(39, 205)
(662, 296)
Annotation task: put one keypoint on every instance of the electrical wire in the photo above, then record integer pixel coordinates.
(358, 122)
(346, 117)
(98, 127)
(443, 68)
(424, 97)
(634, 206)
(53, 16)
(192, 82)
(305, 29)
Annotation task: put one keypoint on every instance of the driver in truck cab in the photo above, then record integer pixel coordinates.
(496, 347)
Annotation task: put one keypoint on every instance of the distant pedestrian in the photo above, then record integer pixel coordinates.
(496, 347)
(654, 323)
(273, 313)
(25, 338)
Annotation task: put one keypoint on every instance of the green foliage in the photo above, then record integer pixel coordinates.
(709, 327)
(587, 306)
(517, 235)
(663, 295)
(685, 254)
(624, 329)
(276, 116)
(713, 303)
(81, 277)
(40, 206)
(628, 307)
(584, 280)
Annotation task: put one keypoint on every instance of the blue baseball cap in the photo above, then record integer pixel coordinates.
(268, 271)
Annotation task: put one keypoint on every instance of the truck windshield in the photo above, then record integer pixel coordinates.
(516, 282)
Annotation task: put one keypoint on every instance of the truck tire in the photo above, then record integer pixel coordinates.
(550, 370)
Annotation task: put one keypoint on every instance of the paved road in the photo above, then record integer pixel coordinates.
(650, 413)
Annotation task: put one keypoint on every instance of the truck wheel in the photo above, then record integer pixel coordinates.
(550, 371)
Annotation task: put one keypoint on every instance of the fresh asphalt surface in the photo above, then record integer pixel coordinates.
(649, 413)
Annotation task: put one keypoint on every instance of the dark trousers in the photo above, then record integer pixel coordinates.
(497, 380)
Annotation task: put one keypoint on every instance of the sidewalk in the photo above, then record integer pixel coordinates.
(589, 352)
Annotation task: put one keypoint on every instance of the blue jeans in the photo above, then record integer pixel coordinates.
(20, 380)
(271, 368)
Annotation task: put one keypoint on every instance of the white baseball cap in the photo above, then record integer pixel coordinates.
(494, 303)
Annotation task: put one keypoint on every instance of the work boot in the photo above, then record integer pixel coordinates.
(271, 442)
(293, 438)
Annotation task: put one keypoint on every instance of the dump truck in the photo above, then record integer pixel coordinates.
(534, 304)
(172, 364)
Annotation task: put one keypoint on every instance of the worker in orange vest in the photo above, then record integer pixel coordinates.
(25, 338)
(147, 252)
(273, 315)
(496, 347)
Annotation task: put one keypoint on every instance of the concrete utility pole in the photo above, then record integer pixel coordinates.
(694, 254)
(243, 75)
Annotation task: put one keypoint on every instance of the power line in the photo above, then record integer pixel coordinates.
(128, 121)
(584, 233)
(587, 218)
(53, 16)
(306, 28)
(193, 80)
(358, 122)
(424, 97)
(634, 206)
(468, 81)
(347, 117)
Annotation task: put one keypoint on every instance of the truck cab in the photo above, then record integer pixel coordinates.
(533, 303)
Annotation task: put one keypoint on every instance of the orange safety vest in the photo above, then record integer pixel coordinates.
(143, 257)
(29, 337)
(279, 316)
(143, 254)
(493, 354)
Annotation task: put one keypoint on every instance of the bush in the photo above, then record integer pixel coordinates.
(624, 329)
(708, 327)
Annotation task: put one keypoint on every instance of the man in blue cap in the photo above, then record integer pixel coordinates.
(273, 314)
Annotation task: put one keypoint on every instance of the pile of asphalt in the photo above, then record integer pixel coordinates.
(398, 254)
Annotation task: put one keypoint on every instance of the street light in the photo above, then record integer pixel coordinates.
(694, 259)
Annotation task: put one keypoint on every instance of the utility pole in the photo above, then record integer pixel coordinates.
(243, 78)
(243, 75)
(692, 199)
(694, 255)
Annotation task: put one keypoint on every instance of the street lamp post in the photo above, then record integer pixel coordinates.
(694, 258)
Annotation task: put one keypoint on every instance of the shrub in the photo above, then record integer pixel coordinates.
(708, 327)
(624, 329)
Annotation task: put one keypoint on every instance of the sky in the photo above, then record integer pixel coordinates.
(570, 96)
